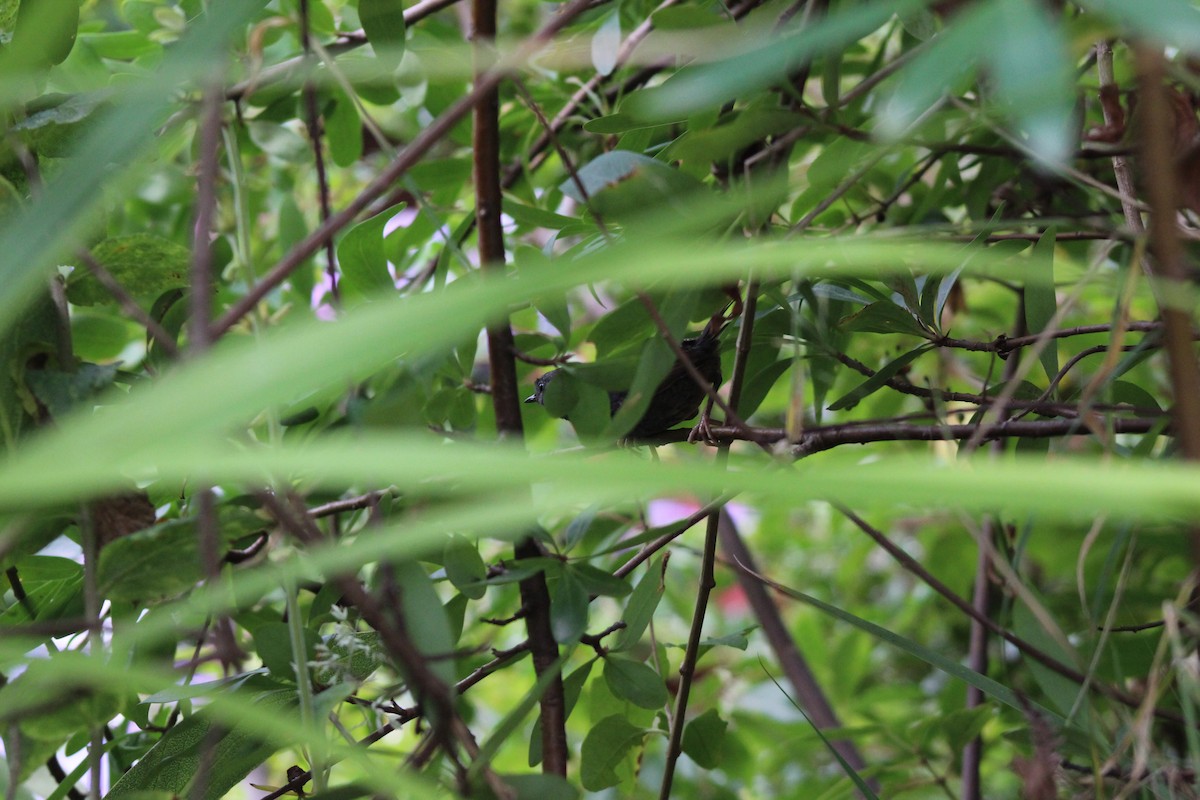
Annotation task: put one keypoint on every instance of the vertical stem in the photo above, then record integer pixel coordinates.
(200, 331)
(1157, 126)
(535, 596)
(687, 669)
(977, 659)
(312, 121)
(708, 582)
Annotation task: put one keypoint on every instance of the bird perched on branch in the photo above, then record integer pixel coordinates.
(678, 397)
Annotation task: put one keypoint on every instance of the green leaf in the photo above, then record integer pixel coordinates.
(620, 183)
(425, 619)
(568, 608)
(1173, 22)
(877, 381)
(635, 681)
(640, 608)
(273, 644)
(76, 707)
(606, 745)
(361, 259)
(704, 738)
(59, 391)
(620, 123)
(465, 567)
(119, 45)
(146, 264)
(172, 764)
(383, 23)
(344, 131)
(162, 562)
(713, 84)
(599, 582)
(606, 42)
(357, 656)
(883, 316)
(1033, 72)
(44, 34)
(53, 588)
(541, 787)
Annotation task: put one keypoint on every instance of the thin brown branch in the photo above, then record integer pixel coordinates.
(349, 504)
(1040, 407)
(819, 439)
(677, 530)
(1004, 345)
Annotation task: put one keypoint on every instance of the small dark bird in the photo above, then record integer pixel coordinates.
(677, 398)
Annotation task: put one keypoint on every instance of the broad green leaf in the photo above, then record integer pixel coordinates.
(568, 608)
(606, 42)
(599, 582)
(59, 391)
(145, 264)
(53, 588)
(344, 131)
(172, 764)
(383, 22)
(606, 745)
(273, 644)
(942, 66)
(704, 738)
(883, 317)
(620, 183)
(620, 123)
(425, 619)
(1173, 22)
(877, 381)
(162, 562)
(465, 567)
(1033, 73)
(361, 259)
(635, 681)
(74, 707)
(639, 610)
(44, 34)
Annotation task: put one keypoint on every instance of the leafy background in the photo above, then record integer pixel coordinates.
(278, 274)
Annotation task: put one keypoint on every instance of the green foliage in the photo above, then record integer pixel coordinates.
(280, 538)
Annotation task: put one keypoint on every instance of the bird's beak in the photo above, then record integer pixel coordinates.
(531, 399)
